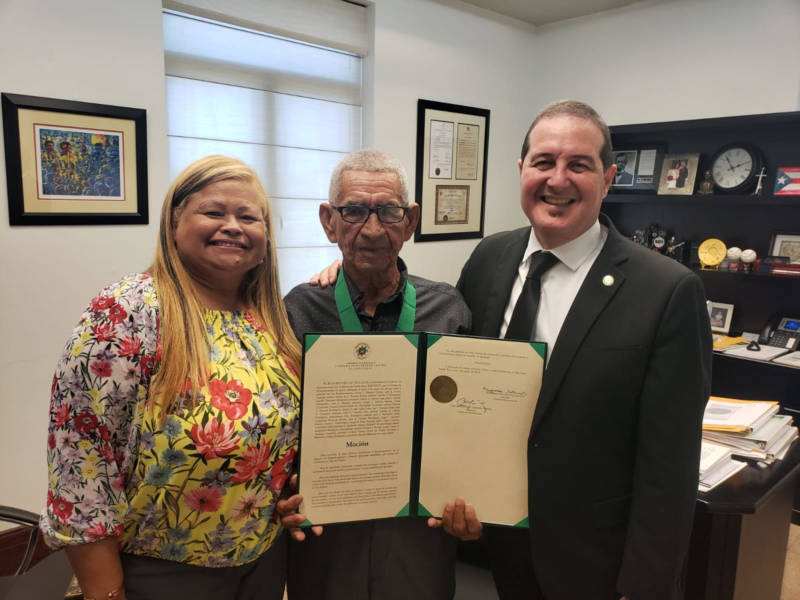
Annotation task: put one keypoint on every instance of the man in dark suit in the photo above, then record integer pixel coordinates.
(614, 445)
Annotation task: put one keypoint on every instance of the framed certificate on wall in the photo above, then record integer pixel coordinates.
(452, 144)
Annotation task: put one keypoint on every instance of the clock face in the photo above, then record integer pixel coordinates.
(734, 168)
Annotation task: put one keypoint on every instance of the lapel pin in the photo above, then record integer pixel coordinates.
(608, 280)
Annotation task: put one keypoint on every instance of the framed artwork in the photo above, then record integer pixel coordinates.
(678, 173)
(452, 146)
(74, 163)
(786, 244)
(721, 316)
(638, 169)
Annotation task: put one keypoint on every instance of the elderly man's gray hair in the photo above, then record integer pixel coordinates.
(371, 161)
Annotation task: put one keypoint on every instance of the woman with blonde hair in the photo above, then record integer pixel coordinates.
(174, 408)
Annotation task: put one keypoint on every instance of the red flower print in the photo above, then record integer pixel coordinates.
(253, 322)
(102, 302)
(98, 530)
(130, 346)
(105, 434)
(104, 332)
(107, 452)
(215, 439)
(120, 482)
(147, 364)
(116, 314)
(61, 508)
(51, 441)
(101, 368)
(255, 460)
(204, 499)
(62, 415)
(232, 397)
(281, 469)
(53, 385)
(85, 422)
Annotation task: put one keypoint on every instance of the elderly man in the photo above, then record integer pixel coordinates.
(614, 445)
(370, 218)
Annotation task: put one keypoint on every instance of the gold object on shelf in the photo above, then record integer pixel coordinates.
(711, 253)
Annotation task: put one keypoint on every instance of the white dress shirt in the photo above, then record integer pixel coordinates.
(560, 284)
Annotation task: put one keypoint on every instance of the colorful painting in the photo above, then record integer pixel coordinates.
(78, 164)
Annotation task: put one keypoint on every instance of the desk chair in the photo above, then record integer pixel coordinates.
(43, 580)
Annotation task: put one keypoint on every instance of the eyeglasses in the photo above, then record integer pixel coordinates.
(358, 213)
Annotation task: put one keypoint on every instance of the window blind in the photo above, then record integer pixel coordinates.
(289, 109)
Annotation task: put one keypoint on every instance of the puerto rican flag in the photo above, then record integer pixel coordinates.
(787, 181)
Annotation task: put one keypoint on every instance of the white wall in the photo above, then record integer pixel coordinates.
(654, 61)
(86, 50)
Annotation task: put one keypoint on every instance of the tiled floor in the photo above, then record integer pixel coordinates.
(791, 572)
(474, 583)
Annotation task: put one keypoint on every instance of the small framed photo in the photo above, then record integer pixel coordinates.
(721, 316)
(678, 173)
(74, 163)
(786, 244)
(626, 161)
(637, 168)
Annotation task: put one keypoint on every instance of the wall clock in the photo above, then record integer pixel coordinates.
(735, 167)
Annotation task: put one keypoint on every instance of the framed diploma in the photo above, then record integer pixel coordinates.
(383, 415)
(638, 169)
(452, 144)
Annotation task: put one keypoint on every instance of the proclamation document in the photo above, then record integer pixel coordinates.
(357, 426)
(480, 395)
(441, 150)
(467, 151)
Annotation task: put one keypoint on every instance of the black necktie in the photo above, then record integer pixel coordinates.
(523, 319)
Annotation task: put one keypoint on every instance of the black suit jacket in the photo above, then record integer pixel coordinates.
(614, 445)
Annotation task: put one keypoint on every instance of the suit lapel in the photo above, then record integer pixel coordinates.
(589, 303)
(503, 281)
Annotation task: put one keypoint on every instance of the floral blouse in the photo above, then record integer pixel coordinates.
(200, 489)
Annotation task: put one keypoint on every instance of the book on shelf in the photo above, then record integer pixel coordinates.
(733, 415)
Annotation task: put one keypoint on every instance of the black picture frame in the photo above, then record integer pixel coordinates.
(450, 184)
(786, 244)
(645, 154)
(103, 182)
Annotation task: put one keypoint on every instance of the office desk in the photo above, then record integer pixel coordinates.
(741, 528)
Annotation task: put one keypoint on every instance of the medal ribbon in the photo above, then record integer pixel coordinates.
(347, 312)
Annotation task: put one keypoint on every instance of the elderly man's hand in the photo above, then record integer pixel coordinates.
(328, 275)
(290, 518)
(460, 520)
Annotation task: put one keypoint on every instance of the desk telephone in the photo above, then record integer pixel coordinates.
(781, 332)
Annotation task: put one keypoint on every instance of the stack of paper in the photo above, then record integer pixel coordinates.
(740, 416)
(716, 465)
(750, 429)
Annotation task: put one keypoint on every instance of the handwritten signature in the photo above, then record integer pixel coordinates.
(473, 407)
(498, 392)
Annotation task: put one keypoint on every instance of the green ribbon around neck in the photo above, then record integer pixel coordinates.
(349, 318)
